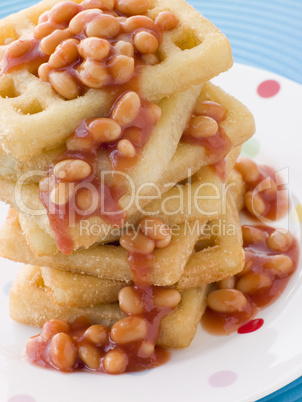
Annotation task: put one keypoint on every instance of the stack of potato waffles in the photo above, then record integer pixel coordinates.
(117, 158)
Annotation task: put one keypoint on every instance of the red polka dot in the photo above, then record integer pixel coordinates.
(268, 88)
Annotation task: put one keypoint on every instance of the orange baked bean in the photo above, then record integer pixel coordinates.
(61, 193)
(126, 148)
(202, 126)
(124, 48)
(254, 203)
(64, 84)
(86, 199)
(227, 301)
(106, 5)
(44, 17)
(129, 301)
(44, 29)
(267, 187)
(97, 334)
(50, 42)
(132, 7)
(44, 71)
(94, 48)
(129, 329)
(166, 20)
(93, 74)
(253, 283)
(79, 22)
(53, 327)
(138, 22)
(121, 68)
(154, 112)
(246, 268)
(210, 109)
(19, 48)
(279, 241)
(154, 228)
(252, 235)
(115, 361)
(65, 54)
(62, 351)
(164, 242)
(104, 130)
(64, 11)
(145, 42)
(89, 355)
(279, 265)
(102, 26)
(166, 297)
(150, 59)
(79, 144)
(126, 108)
(137, 243)
(248, 169)
(146, 349)
(72, 170)
(228, 283)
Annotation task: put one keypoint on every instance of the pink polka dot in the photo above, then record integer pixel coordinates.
(268, 89)
(222, 379)
(21, 398)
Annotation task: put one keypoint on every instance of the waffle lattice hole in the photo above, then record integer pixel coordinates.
(31, 108)
(8, 90)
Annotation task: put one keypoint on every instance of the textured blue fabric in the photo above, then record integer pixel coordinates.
(263, 33)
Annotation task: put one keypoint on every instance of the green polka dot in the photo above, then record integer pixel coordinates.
(251, 148)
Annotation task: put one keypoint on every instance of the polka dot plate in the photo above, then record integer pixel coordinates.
(236, 368)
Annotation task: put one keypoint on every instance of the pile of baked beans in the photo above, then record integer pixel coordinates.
(95, 43)
(130, 344)
(271, 256)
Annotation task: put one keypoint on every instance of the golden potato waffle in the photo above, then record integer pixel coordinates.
(31, 303)
(30, 107)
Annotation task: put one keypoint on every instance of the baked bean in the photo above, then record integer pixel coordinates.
(44, 29)
(44, 17)
(62, 351)
(253, 283)
(166, 20)
(126, 148)
(227, 301)
(129, 329)
(79, 144)
(129, 301)
(106, 5)
(86, 199)
(164, 242)
(126, 108)
(65, 54)
(248, 169)
(93, 74)
(146, 349)
(103, 26)
(124, 48)
(50, 42)
(166, 297)
(267, 187)
(94, 48)
(19, 48)
(279, 241)
(97, 334)
(78, 23)
(154, 112)
(53, 327)
(246, 268)
(279, 265)
(252, 235)
(72, 170)
(210, 109)
(64, 11)
(139, 22)
(61, 193)
(228, 283)
(137, 243)
(202, 126)
(121, 68)
(105, 130)
(145, 42)
(154, 228)
(89, 355)
(150, 59)
(44, 71)
(254, 203)
(132, 7)
(64, 84)
(115, 361)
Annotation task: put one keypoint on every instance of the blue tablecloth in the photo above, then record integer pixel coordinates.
(263, 33)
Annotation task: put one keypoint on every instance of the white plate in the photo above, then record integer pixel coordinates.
(246, 367)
